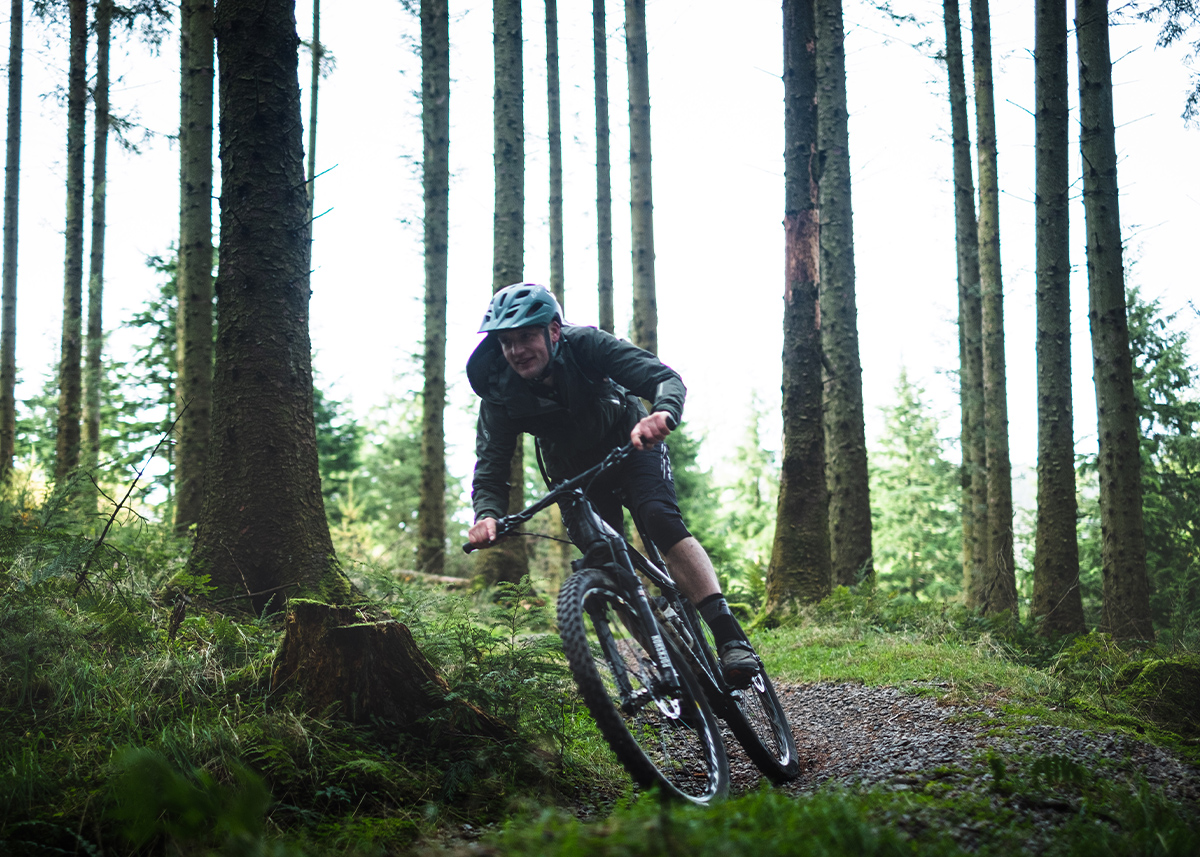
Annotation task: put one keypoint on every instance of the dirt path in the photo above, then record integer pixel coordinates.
(891, 738)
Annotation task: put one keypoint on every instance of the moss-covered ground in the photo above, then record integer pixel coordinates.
(129, 725)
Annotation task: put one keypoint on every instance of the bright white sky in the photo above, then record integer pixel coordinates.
(717, 132)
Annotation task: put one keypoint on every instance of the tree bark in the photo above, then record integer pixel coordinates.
(553, 111)
(194, 319)
(366, 668)
(800, 570)
(95, 324)
(1057, 601)
(8, 291)
(561, 551)
(509, 560)
(998, 589)
(641, 198)
(970, 332)
(263, 530)
(1126, 587)
(845, 431)
(70, 382)
(603, 170)
(435, 119)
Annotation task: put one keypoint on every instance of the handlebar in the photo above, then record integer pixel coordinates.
(509, 523)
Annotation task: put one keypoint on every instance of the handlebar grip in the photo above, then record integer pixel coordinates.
(502, 530)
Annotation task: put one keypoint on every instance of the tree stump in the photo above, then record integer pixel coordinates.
(365, 667)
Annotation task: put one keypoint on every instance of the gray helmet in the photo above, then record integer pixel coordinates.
(521, 305)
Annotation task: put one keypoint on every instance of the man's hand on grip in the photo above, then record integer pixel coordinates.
(650, 430)
(483, 533)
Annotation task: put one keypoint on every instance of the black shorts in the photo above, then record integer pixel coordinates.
(643, 484)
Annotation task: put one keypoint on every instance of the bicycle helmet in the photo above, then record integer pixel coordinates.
(521, 305)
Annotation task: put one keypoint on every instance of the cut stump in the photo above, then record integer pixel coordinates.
(363, 666)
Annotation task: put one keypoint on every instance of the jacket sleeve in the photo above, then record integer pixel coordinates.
(495, 442)
(634, 369)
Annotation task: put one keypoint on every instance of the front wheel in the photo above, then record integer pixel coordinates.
(663, 736)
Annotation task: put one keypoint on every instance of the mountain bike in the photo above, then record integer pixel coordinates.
(646, 667)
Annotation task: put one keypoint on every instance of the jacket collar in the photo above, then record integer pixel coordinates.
(494, 381)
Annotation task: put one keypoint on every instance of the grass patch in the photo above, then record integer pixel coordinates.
(846, 823)
(125, 728)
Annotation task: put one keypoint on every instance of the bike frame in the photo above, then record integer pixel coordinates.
(627, 562)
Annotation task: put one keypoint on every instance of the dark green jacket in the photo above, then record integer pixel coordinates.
(598, 380)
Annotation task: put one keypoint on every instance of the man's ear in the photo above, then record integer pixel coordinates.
(555, 330)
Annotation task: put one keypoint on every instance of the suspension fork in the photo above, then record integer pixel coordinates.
(598, 530)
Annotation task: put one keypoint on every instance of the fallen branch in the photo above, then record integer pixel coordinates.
(447, 580)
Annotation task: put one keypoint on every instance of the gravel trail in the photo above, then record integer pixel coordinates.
(885, 736)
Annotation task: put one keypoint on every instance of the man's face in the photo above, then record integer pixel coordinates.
(525, 349)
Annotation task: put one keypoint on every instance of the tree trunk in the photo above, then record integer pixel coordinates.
(366, 668)
(557, 284)
(194, 346)
(263, 530)
(1126, 587)
(800, 568)
(603, 170)
(970, 332)
(314, 87)
(1056, 598)
(845, 431)
(435, 118)
(561, 551)
(66, 449)
(641, 198)
(508, 561)
(8, 298)
(998, 588)
(95, 324)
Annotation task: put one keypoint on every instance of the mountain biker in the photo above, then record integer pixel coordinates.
(576, 389)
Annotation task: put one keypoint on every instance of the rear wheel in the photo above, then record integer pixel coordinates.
(757, 720)
(663, 736)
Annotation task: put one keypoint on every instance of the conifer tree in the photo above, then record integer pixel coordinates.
(603, 170)
(845, 429)
(997, 591)
(8, 290)
(800, 569)
(917, 514)
(263, 534)
(435, 119)
(1126, 584)
(641, 197)
(317, 51)
(509, 560)
(554, 136)
(1057, 600)
(194, 349)
(970, 331)
(70, 380)
(95, 322)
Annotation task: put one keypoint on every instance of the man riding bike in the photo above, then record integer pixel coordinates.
(576, 389)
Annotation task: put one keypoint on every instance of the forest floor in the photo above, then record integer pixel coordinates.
(127, 728)
(967, 773)
(934, 745)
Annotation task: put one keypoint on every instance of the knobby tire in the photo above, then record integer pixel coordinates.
(756, 719)
(605, 643)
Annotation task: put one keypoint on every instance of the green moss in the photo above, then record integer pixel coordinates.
(1166, 691)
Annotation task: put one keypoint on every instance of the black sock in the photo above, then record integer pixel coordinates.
(716, 613)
